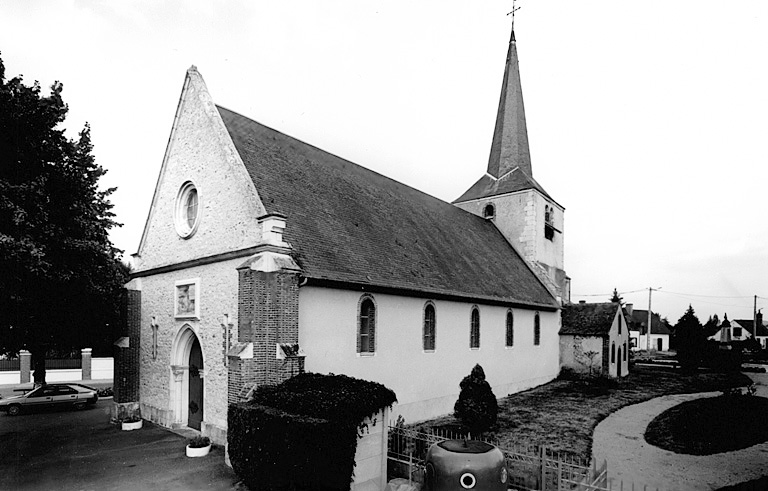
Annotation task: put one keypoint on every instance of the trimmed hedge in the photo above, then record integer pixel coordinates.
(302, 434)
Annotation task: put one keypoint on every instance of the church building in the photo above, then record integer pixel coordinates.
(263, 256)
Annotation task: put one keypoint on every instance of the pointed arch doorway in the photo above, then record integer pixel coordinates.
(195, 406)
(188, 374)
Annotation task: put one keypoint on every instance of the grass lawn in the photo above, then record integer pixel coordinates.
(711, 425)
(562, 414)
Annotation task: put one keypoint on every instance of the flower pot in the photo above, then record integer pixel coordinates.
(132, 425)
(198, 452)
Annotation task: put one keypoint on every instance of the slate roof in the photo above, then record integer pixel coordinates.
(351, 225)
(513, 181)
(640, 319)
(588, 319)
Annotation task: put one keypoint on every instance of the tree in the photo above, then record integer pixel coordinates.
(690, 340)
(60, 276)
(476, 407)
(616, 298)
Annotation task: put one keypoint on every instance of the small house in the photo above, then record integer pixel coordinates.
(638, 334)
(594, 339)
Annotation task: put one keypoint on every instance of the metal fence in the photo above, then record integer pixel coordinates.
(60, 364)
(10, 365)
(63, 364)
(529, 467)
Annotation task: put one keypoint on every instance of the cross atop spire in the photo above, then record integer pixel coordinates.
(512, 13)
(509, 148)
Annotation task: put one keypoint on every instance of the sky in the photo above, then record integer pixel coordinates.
(647, 121)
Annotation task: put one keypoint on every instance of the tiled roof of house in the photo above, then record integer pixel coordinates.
(748, 325)
(588, 319)
(351, 225)
(640, 319)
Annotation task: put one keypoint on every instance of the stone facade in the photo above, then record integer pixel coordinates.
(201, 151)
(163, 361)
(520, 216)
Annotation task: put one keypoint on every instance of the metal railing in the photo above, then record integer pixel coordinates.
(529, 467)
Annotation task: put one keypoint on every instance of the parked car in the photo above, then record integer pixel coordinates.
(50, 395)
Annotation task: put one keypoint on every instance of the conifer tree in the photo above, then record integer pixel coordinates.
(476, 408)
(690, 340)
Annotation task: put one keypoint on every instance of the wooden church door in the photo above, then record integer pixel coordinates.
(195, 386)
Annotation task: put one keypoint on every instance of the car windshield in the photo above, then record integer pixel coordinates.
(35, 393)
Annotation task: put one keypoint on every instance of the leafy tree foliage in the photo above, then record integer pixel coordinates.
(476, 408)
(690, 339)
(60, 276)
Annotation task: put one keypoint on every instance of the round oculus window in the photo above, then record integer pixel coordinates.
(187, 214)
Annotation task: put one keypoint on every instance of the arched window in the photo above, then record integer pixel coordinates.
(549, 225)
(429, 327)
(620, 316)
(474, 328)
(625, 351)
(489, 211)
(536, 330)
(613, 352)
(366, 334)
(510, 329)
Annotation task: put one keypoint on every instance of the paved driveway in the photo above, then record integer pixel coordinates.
(80, 450)
(620, 440)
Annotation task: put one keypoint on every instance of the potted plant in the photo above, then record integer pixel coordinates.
(198, 446)
(132, 423)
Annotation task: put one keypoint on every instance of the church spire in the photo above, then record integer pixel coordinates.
(509, 148)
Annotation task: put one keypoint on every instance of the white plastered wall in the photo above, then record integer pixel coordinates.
(426, 383)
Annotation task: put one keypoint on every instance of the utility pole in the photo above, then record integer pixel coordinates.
(650, 318)
(648, 326)
(754, 319)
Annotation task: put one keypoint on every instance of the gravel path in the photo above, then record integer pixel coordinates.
(619, 440)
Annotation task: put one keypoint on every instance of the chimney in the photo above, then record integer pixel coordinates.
(629, 308)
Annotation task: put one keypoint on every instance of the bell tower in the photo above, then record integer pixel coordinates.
(530, 219)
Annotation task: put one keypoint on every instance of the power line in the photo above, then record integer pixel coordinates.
(667, 291)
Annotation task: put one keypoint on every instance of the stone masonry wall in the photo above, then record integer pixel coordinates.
(268, 313)
(200, 150)
(127, 363)
(218, 303)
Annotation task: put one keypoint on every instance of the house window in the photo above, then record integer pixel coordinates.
(510, 329)
(613, 352)
(536, 330)
(187, 299)
(474, 329)
(187, 210)
(489, 211)
(366, 334)
(736, 332)
(429, 327)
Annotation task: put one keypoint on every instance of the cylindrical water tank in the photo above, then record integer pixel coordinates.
(465, 464)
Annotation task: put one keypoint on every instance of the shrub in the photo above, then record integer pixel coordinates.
(476, 407)
(199, 442)
(302, 434)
